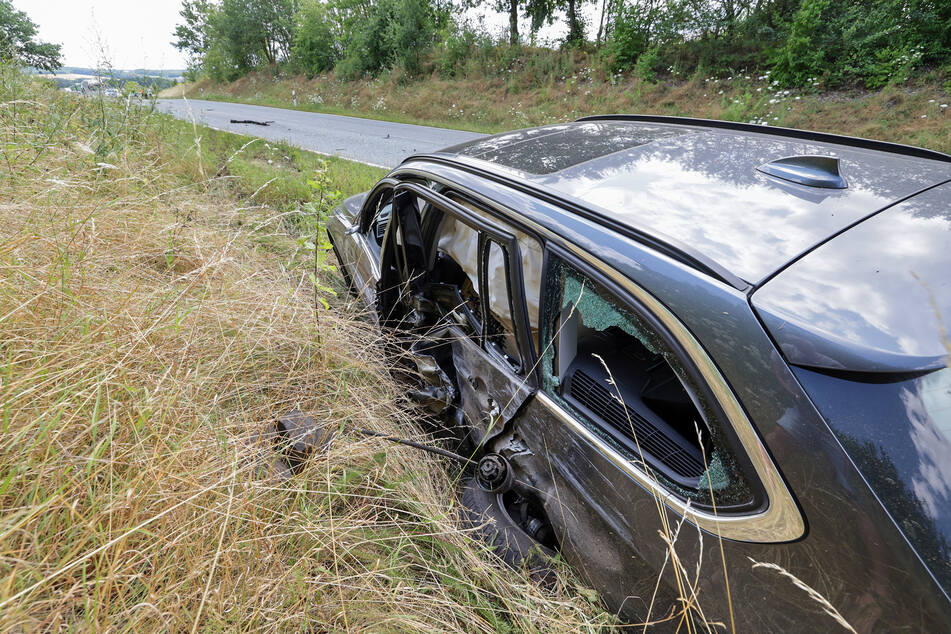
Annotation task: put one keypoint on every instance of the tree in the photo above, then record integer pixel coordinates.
(538, 12)
(511, 6)
(17, 43)
(575, 25)
(192, 36)
(392, 32)
(314, 50)
(253, 32)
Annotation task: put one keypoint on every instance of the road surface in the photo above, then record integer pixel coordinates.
(379, 143)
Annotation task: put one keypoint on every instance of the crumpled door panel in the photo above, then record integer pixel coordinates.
(489, 394)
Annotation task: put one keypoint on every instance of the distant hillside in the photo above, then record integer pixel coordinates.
(120, 73)
(70, 76)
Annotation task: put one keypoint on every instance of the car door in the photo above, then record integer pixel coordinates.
(361, 247)
(446, 287)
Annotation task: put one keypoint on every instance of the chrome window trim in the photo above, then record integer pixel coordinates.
(781, 519)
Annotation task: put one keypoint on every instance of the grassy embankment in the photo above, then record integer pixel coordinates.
(542, 89)
(156, 315)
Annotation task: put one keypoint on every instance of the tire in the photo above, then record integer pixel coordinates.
(485, 513)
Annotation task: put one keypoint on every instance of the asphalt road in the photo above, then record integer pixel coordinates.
(379, 143)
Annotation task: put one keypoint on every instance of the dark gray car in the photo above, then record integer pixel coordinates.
(649, 328)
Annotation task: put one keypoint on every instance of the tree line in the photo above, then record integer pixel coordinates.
(798, 42)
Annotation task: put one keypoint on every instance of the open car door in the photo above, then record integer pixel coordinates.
(446, 293)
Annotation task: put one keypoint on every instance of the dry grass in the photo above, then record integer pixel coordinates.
(526, 96)
(154, 323)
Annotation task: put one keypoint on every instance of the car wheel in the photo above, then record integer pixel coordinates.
(489, 515)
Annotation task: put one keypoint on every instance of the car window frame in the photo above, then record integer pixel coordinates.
(368, 213)
(513, 226)
(485, 244)
(488, 227)
(631, 304)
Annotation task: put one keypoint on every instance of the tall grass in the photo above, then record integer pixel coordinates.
(154, 320)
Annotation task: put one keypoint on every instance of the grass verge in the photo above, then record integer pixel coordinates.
(156, 315)
(915, 112)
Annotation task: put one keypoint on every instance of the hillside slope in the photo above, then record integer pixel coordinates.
(915, 113)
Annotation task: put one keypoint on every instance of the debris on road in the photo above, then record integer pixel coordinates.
(251, 121)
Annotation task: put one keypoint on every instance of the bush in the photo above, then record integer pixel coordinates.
(314, 50)
(458, 47)
(629, 39)
(798, 59)
(646, 66)
(872, 42)
(395, 32)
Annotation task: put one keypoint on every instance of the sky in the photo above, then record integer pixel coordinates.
(137, 33)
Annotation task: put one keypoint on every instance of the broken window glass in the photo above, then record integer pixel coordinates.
(611, 369)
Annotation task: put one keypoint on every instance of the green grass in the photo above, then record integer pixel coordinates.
(277, 171)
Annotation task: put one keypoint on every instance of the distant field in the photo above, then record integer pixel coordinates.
(66, 76)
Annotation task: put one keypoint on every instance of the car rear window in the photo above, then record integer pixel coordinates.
(898, 433)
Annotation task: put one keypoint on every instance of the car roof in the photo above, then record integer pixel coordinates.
(697, 184)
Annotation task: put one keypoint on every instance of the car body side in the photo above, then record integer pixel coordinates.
(846, 546)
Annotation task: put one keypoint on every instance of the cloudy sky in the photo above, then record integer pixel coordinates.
(137, 33)
(134, 33)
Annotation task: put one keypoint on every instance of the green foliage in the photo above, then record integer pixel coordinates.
(802, 42)
(394, 32)
(412, 32)
(237, 36)
(315, 50)
(646, 66)
(131, 88)
(191, 37)
(457, 48)
(630, 38)
(313, 241)
(872, 42)
(18, 43)
(799, 60)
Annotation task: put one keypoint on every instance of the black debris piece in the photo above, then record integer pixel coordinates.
(299, 436)
(252, 121)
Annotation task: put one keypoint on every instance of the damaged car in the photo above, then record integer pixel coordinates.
(693, 358)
